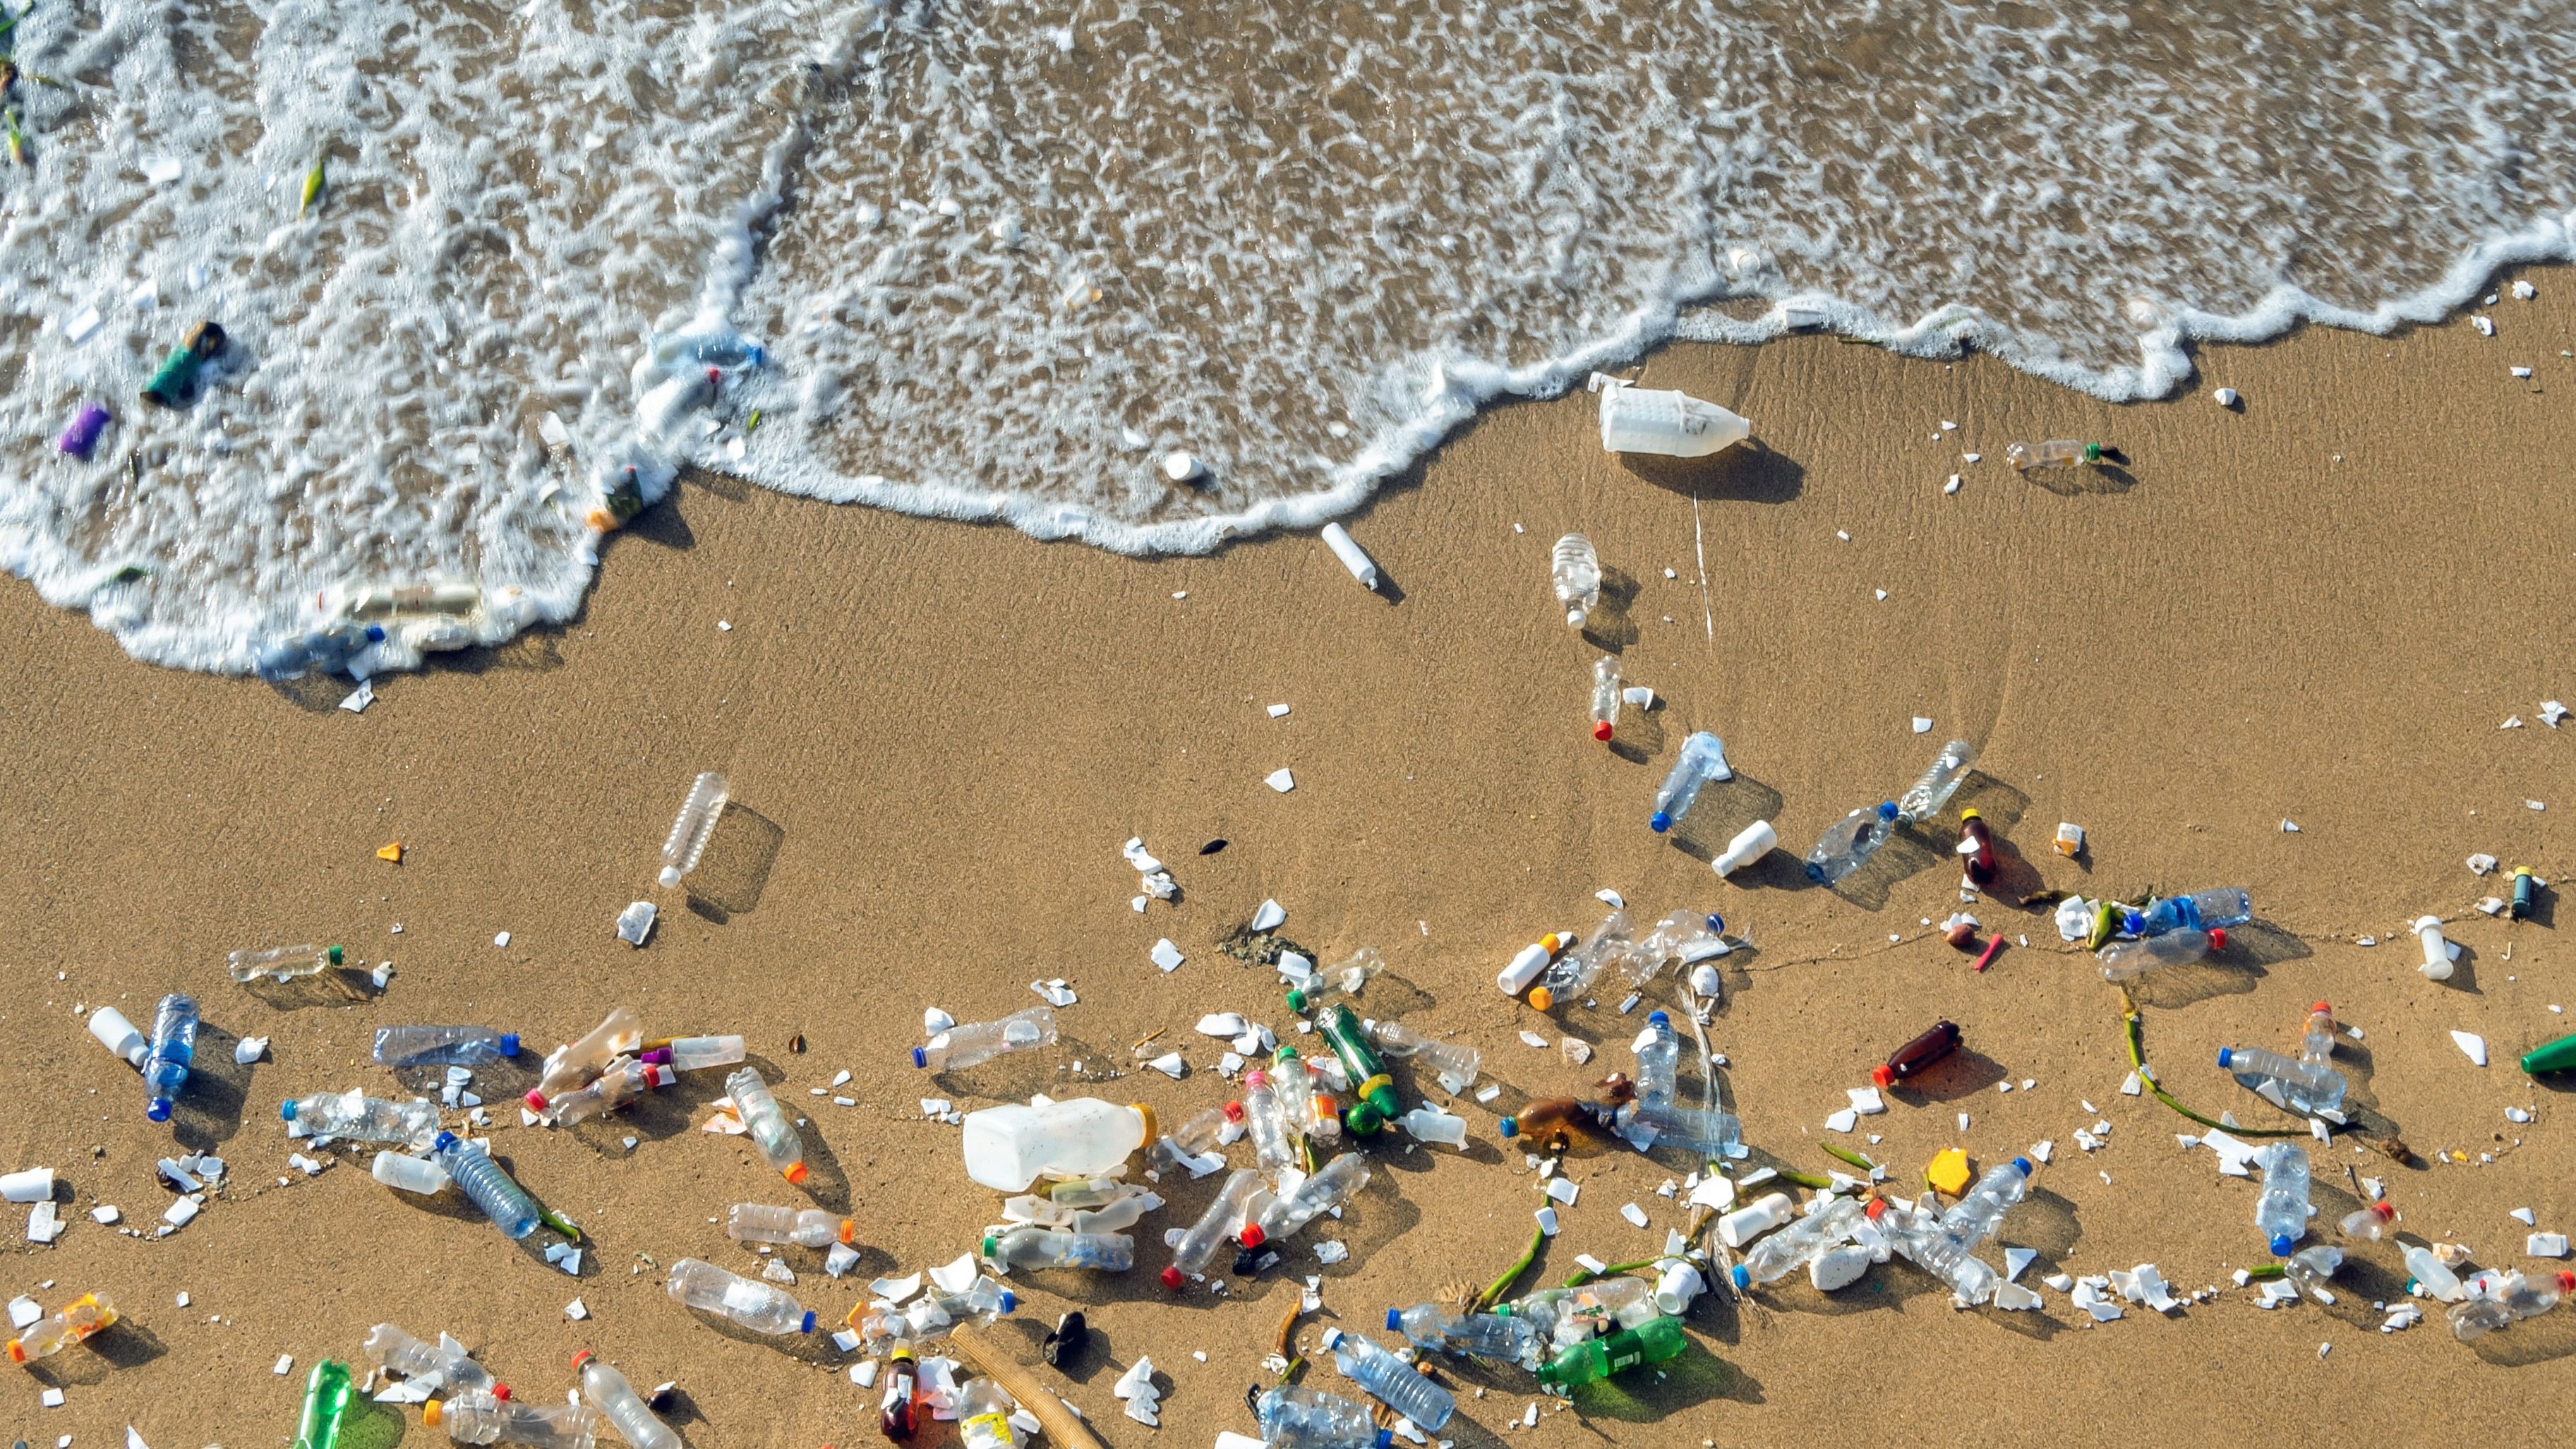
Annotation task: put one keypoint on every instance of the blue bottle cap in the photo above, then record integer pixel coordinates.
(2024, 1164)
(1657, 1018)
(2282, 1243)
(1886, 809)
(445, 1141)
(1394, 1320)
(808, 1326)
(1385, 1438)
(1510, 1127)
(1743, 1280)
(509, 1043)
(1716, 924)
(158, 1109)
(286, 1109)
(2223, 1055)
(1662, 821)
(375, 633)
(1010, 1300)
(2134, 923)
(920, 1058)
(1815, 872)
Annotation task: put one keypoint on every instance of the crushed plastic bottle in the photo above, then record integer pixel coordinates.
(2502, 1298)
(1661, 421)
(329, 1395)
(1848, 844)
(2281, 1213)
(1571, 974)
(760, 1307)
(1570, 1315)
(1939, 781)
(960, 1047)
(2126, 960)
(174, 1047)
(695, 1053)
(485, 1185)
(1486, 1335)
(1702, 759)
(1575, 571)
(1703, 1131)
(1793, 1247)
(1606, 686)
(282, 963)
(2055, 453)
(1199, 1246)
(1044, 1248)
(691, 829)
(2201, 910)
(1973, 1218)
(1917, 1055)
(1551, 1123)
(327, 650)
(84, 1316)
(1391, 1381)
(624, 1080)
(2369, 1222)
(389, 1348)
(2312, 1268)
(1343, 979)
(2318, 1086)
(984, 1417)
(1293, 1416)
(625, 1410)
(751, 1222)
(1684, 936)
(768, 1125)
(1010, 1146)
(1194, 1138)
(1917, 1235)
(1338, 1182)
(1653, 1341)
(361, 1118)
(1455, 1063)
(570, 1065)
(922, 1318)
(480, 1418)
(411, 1174)
(1376, 1104)
(443, 1046)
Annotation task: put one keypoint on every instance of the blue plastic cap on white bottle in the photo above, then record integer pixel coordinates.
(2024, 1164)
(2222, 1056)
(1662, 822)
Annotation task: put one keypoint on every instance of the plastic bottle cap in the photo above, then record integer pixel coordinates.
(157, 1110)
(2024, 1164)
(1658, 1018)
(1601, 731)
(2387, 1211)
(1394, 1319)
(536, 1099)
(1883, 1075)
(334, 954)
(1967, 815)
(1172, 1279)
(1145, 1117)
(1542, 998)
(920, 1058)
(445, 1140)
(431, 1413)
(795, 1172)
(1662, 822)
(849, 1230)
(2133, 923)
(581, 1358)
(1716, 923)
(509, 1043)
(990, 1241)
(1253, 1236)
(1296, 1000)
(1511, 1127)
(808, 1325)
(2223, 1054)
(286, 1109)
(2218, 940)
(1886, 809)
(501, 1392)
(1010, 1300)
(2282, 1244)
(1743, 1280)
(2325, 1007)
(1386, 1437)
(1234, 1111)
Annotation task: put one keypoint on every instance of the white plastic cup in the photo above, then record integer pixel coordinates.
(36, 1184)
(118, 1035)
(1673, 424)
(2437, 950)
(1747, 1223)
(1750, 844)
(1353, 557)
(411, 1174)
(1680, 1284)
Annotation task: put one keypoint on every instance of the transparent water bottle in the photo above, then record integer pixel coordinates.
(1686, 936)
(2315, 1083)
(2432, 1274)
(281, 963)
(921, 1319)
(960, 1047)
(2317, 1038)
(481, 1418)
(2369, 1222)
(327, 650)
(2281, 1213)
(1592, 1360)
(484, 1184)
(1340, 1181)
(1391, 1381)
(624, 1080)
(760, 1307)
(626, 1411)
(1455, 1063)
(1292, 1088)
(443, 1046)
(1659, 1062)
(1293, 1416)
(1343, 979)
(1703, 758)
(1199, 1246)
(1575, 570)
(984, 1417)
(1850, 842)
(360, 1118)
(1793, 1247)
(692, 828)
(2055, 453)
(1486, 1335)
(1924, 798)
(174, 1047)
(695, 1053)
(1974, 1218)
(1569, 975)
(62, 1328)
(1193, 1138)
(1565, 1315)
(2201, 910)
(2506, 1298)
(770, 1130)
(1969, 1278)
(389, 1348)
(1272, 1134)
(1702, 1131)
(1606, 684)
(1045, 1248)
(2127, 960)
(2310, 1268)
(568, 1066)
(751, 1222)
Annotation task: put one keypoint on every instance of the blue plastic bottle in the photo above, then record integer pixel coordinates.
(174, 1046)
(1703, 758)
(484, 1184)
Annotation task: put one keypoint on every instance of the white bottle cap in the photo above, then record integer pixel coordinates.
(36, 1184)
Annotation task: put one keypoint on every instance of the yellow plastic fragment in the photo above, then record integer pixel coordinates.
(391, 852)
(1948, 1173)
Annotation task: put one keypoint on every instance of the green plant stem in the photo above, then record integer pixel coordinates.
(1854, 1158)
(1494, 1291)
(2138, 1063)
(1586, 1275)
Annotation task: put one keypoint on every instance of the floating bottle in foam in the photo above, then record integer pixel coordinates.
(960, 1047)
(1673, 424)
(328, 649)
(176, 378)
(1606, 684)
(760, 1307)
(1702, 759)
(1575, 571)
(174, 1047)
(690, 830)
(2055, 453)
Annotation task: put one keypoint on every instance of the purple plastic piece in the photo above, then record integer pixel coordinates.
(82, 435)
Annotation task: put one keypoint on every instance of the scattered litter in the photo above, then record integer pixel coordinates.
(576, 1310)
(1278, 711)
(1280, 780)
(2472, 1045)
(1634, 1214)
(1166, 955)
(1136, 1386)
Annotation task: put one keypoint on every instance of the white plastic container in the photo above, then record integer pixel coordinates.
(36, 1184)
(411, 1174)
(1429, 1124)
(1680, 1284)
(1750, 844)
(1747, 1223)
(1009, 1147)
(1673, 424)
(1533, 959)
(118, 1035)
(1362, 567)
(2437, 949)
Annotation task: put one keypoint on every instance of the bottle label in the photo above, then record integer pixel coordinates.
(993, 1429)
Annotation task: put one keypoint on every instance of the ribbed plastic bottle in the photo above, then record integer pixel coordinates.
(961, 1047)
(767, 1124)
(395, 1351)
(1193, 1138)
(1606, 684)
(1790, 1248)
(1702, 759)
(616, 1399)
(281, 963)
(2200, 911)
(480, 1418)
(1293, 1416)
(1199, 1246)
(2127, 960)
(174, 1047)
(1704, 1131)
(1455, 1063)
(751, 1222)
(1042, 1248)
(1575, 572)
(443, 1046)
(2317, 1084)
(1921, 1240)
(570, 1065)
(760, 1307)
(624, 1080)
(1292, 1086)
(360, 1118)
(1338, 1182)
(1391, 1381)
(1487, 1335)
(690, 830)
(1592, 1360)
(1939, 781)
(2281, 1213)
(1850, 842)
(486, 1186)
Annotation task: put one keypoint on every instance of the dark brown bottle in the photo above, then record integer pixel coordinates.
(1553, 1122)
(1981, 860)
(1913, 1057)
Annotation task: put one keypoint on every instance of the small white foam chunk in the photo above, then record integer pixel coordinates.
(1843, 1121)
(2016, 1259)
(1278, 711)
(576, 1309)
(1280, 780)
(182, 1211)
(1563, 1189)
(1271, 914)
(1866, 1101)
(285, 1364)
(1634, 1214)
(1547, 1221)
(1166, 955)
(2472, 1045)
(24, 1310)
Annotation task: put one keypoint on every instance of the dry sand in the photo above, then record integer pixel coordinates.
(2319, 609)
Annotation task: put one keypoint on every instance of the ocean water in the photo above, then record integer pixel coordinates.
(997, 261)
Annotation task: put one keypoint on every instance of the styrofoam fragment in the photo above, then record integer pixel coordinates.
(1563, 1189)
(1166, 955)
(2471, 1045)
(1280, 780)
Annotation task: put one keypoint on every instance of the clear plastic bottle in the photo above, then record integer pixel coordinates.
(1338, 1182)
(1193, 1138)
(485, 1185)
(770, 1130)
(696, 1053)
(174, 1047)
(1343, 979)
(411, 1174)
(1939, 781)
(481, 1418)
(389, 1348)
(282, 963)
(2310, 1268)
(984, 1417)
(1686, 936)
(1010, 1146)
(360, 1118)
(443, 1046)
(1199, 1246)
(1659, 1062)
(2317, 1085)
(1702, 759)
(2432, 1275)
(1293, 1416)
(2369, 1222)
(2505, 1298)
(751, 1222)
(960, 1047)
(1921, 1240)
(2056, 452)
(1391, 1381)
(1575, 571)
(2317, 1038)
(690, 830)
(1592, 1360)
(62, 1328)
(1850, 842)
(1292, 1087)
(2129, 959)
(625, 1080)
(1783, 1252)
(1974, 1218)
(2281, 1213)
(1272, 1134)
(1045, 1248)
(922, 1318)
(1455, 1063)
(1606, 684)
(1703, 1131)
(1565, 1315)
(625, 1410)
(328, 650)
(760, 1307)
(1572, 973)
(568, 1066)
(1486, 1335)
(2201, 910)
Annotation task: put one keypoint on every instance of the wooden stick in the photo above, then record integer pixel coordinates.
(1064, 1427)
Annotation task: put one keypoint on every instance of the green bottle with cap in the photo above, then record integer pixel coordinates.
(327, 1398)
(2556, 1056)
(1594, 1359)
(1375, 1090)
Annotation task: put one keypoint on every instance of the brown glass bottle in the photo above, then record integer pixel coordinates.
(1913, 1057)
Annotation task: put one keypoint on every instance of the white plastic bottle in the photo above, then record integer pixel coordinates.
(2437, 949)
(691, 829)
(1750, 844)
(1010, 1146)
(625, 1409)
(760, 1307)
(1672, 424)
(698, 1053)
(2437, 1280)
(411, 1174)
(118, 1035)
(1754, 1219)
(1575, 570)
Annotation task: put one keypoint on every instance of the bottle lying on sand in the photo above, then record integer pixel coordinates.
(693, 826)
(1653, 420)
(2055, 453)
(443, 1046)
(1702, 759)
(1575, 572)
(760, 1307)
(960, 1047)
(282, 963)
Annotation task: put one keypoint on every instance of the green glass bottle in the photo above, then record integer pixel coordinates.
(1377, 1105)
(2556, 1056)
(1595, 1359)
(327, 1397)
(178, 372)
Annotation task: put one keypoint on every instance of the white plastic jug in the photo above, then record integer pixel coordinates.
(1009, 1147)
(1675, 424)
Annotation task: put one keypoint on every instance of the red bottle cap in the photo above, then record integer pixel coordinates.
(1234, 1111)
(1601, 731)
(1172, 1279)
(2218, 940)
(1883, 1075)
(2325, 1007)
(536, 1099)
(581, 1358)
(1253, 1236)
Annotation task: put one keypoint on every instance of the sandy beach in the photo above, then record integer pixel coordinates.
(2318, 609)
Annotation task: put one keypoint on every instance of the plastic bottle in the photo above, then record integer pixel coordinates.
(1487, 1335)
(1292, 1088)
(1427, 1123)
(608, 1391)
(412, 1124)
(1375, 1090)
(568, 1066)
(1921, 1240)
(2437, 949)
(328, 1396)
(1391, 1381)
(1530, 961)
(174, 1046)
(118, 1035)
(1044, 1248)
(2370, 1222)
(924, 1316)
(1652, 1341)
(1194, 1138)
(411, 1174)
(984, 1417)
(2281, 1213)
(1656, 420)
(1575, 570)
(2127, 960)
(705, 349)
(1974, 1218)
(1552, 1122)
(1575, 971)
(443, 1046)
(1010, 1146)
(1703, 1131)
(760, 1307)
(1338, 1182)
(625, 1080)
(691, 829)
(1659, 1061)
(2553, 1056)
(480, 1418)
(1755, 1218)
(1792, 1247)
(62, 1328)
(2056, 452)
(2505, 1299)
(1915, 1056)
(897, 1414)
(485, 1185)
(1750, 844)
(770, 1130)
(1344, 979)
(2436, 1279)
(1939, 781)
(2317, 1038)
(390, 1348)
(1270, 1131)
(1293, 1416)
(327, 650)
(695, 1053)
(1606, 684)
(2310, 1268)
(1850, 842)
(1117, 1216)
(282, 963)
(960, 1047)
(1702, 759)
(2524, 895)
(1455, 1063)
(2320, 1086)
(177, 374)
(751, 1222)
(1977, 844)
(2201, 910)
(1686, 936)
(1569, 1315)
(1199, 1246)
